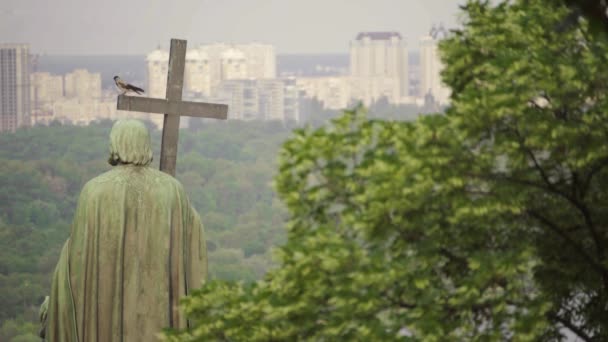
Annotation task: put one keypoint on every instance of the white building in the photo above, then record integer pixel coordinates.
(334, 92)
(241, 75)
(233, 65)
(291, 103)
(262, 99)
(343, 92)
(46, 89)
(82, 84)
(83, 112)
(254, 61)
(158, 66)
(214, 53)
(430, 69)
(242, 99)
(14, 86)
(371, 89)
(261, 60)
(197, 78)
(271, 97)
(381, 55)
(208, 65)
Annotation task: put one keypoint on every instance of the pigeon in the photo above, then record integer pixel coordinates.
(126, 87)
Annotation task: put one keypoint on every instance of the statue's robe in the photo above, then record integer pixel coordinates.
(136, 248)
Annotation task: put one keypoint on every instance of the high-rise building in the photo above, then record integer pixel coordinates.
(261, 60)
(82, 85)
(271, 99)
(371, 89)
(208, 65)
(233, 65)
(291, 100)
(228, 73)
(262, 99)
(242, 99)
(214, 53)
(197, 78)
(14, 86)
(158, 66)
(430, 68)
(381, 55)
(82, 112)
(333, 92)
(46, 89)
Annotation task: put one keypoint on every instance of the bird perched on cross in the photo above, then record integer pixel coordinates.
(126, 87)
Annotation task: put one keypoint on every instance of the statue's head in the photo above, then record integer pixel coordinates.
(130, 143)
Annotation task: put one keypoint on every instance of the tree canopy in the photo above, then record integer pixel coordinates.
(486, 223)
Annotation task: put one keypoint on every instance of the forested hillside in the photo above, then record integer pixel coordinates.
(226, 168)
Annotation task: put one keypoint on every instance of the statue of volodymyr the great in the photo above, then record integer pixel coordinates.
(136, 248)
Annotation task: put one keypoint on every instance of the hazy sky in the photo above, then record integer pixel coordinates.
(138, 26)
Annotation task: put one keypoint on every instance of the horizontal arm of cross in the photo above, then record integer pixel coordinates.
(164, 106)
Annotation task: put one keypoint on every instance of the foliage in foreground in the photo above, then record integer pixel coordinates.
(487, 223)
(385, 240)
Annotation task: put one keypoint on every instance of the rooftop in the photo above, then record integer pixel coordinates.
(378, 35)
(158, 55)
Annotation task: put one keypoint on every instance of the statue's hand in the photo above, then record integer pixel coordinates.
(44, 307)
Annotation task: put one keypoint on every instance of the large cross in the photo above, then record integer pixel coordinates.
(172, 106)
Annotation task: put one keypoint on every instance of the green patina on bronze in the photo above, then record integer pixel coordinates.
(130, 143)
(136, 247)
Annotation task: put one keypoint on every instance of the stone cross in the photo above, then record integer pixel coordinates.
(172, 106)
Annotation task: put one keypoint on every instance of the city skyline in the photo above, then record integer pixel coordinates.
(137, 26)
(244, 76)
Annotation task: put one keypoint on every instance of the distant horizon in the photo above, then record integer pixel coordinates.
(113, 27)
(144, 54)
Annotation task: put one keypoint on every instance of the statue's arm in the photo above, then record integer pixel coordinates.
(199, 251)
(42, 314)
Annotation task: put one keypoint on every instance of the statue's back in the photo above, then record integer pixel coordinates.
(136, 247)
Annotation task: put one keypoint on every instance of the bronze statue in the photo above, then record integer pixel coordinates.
(136, 247)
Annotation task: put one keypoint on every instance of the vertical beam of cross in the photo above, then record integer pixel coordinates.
(172, 106)
(175, 83)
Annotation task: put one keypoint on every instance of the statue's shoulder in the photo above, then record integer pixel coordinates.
(112, 176)
(165, 179)
(144, 177)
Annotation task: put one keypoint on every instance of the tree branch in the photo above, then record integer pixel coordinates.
(553, 227)
(575, 329)
(573, 200)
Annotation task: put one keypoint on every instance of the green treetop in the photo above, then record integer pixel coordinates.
(487, 223)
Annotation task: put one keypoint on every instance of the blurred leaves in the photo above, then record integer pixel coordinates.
(487, 223)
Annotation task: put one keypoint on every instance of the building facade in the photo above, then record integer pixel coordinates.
(261, 60)
(430, 70)
(46, 90)
(83, 85)
(197, 78)
(261, 99)
(333, 92)
(157, 66)
(381, 55)
(46, 87)
(82, 112)
(291, 100)
(209, 65)
(14, 86)
(233, 65)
